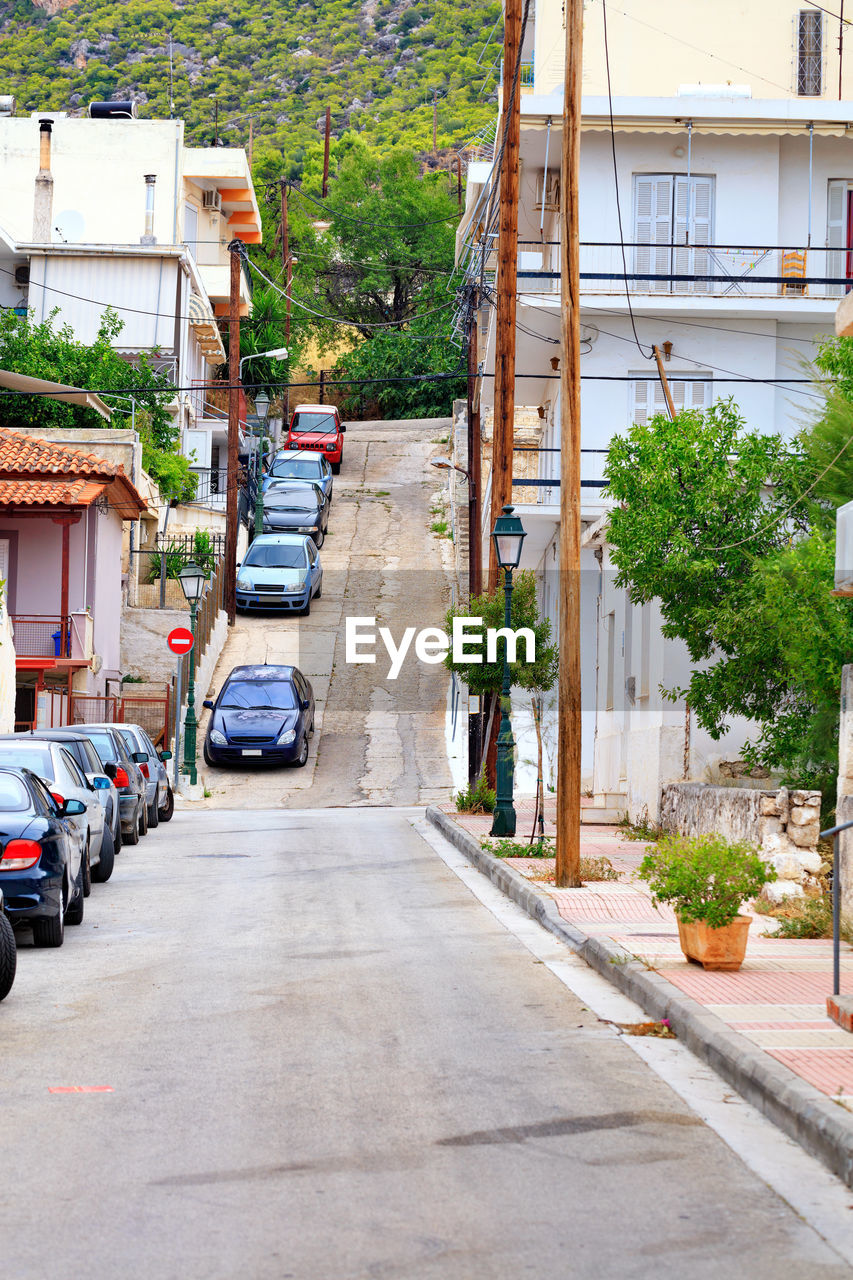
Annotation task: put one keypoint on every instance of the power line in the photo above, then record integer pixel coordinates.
(369, 222)
(356, 324)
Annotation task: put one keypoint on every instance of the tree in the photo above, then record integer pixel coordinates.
(722, 526)
(536, 677)
(45, 351)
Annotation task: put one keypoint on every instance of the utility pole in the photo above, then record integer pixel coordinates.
(435, 122)
(251, 140)
(568, 850)
(664, 382)
(232, 502)
(326, 152)
(459, 182)
(840, 49)
(475, 544)
(286, 264)
(507, 279)
(216, 122)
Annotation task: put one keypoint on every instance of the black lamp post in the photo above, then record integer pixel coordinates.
(508, 536)
(192, 580)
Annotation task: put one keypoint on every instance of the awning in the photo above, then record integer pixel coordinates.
(206, 329)
(53, 391)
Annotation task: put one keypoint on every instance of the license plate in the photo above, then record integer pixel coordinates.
(251, 753)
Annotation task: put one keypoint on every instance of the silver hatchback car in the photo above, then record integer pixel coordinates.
(158, 790)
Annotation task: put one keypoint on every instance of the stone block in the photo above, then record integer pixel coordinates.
(802, 815)
(788, 866)
(805, 797)
(811, 861)
(783, 800)
(781, 889)
(769, 807)
(804, 837)
(767, 828)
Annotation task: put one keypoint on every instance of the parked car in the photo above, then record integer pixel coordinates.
(298, 510)
(309, 487)
(124, 771)
(280, 571)
(41, 871)
(319, 428)
(8, 953)
(262, 713)
(296, 464)
(83, 751)
(158, 791)
(55, 765)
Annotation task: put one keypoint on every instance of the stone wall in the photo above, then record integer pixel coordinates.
(783, 824)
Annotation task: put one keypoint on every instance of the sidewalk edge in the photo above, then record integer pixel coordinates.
(802, 1111)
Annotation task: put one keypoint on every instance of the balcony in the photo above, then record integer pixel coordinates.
(53, 638)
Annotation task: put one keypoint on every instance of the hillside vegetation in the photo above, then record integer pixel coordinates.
(375, 63)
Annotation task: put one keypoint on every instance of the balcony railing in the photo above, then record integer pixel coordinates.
(53, 636)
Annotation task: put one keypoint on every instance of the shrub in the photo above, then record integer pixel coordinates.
(704, 877)
(477, 799)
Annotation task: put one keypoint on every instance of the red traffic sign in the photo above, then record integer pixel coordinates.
(180, 640)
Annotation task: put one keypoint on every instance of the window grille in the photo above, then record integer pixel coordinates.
(809, 53)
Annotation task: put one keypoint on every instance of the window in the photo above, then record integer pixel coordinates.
(647, 396)
(809, 53)
(673, 216)
(191, 228)
(839, 235)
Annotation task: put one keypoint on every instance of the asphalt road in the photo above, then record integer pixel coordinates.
(329, 1060)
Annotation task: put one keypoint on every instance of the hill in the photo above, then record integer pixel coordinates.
(376, 63)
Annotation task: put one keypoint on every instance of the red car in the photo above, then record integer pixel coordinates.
(317, 426)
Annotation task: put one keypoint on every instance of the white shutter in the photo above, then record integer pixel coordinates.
(694, 210)
(836, 235)
(682, 257)
(648, 396)
(652, 226)
(640, 404)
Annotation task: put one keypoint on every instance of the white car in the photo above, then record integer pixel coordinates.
(65, 781)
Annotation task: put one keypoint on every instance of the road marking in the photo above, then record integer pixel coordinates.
(806, 1185)
(80, 1088)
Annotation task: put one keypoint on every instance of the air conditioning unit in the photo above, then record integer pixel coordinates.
(211, 200)
(548, 190)
(22, 274)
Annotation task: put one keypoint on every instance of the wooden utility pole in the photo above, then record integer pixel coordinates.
(232, 500)
(326, 152)
(459, 182)
(475, 543)
(251, 140)
(286, 264)
(568, 850)
(664, 382)
(507, 279)
(435, 122)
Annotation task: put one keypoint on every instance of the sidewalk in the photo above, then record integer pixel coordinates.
(776, 1001)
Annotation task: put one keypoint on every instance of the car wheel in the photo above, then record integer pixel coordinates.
(311, 727)
(153, 815)
(77, 905)
(167, 812)
(50, 931)
(86, 868)
(336, 468)
(208, 760)
(302, 759)
(318, 593)
(102, 872)
(8, 957)
(320, 539)
(306, 611)
(132, 836)
(143, 819)
(118, 839)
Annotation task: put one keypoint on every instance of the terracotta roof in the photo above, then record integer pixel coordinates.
(26, 455)
(49, 493)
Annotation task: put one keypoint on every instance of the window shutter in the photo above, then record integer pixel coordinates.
(652, 226)
(694, 209)
(836, 234)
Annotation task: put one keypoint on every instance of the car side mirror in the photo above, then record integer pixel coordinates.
(305, 704)
(165, 755)
(139, 757)
(111, 770)
(343, 428)
(208, 702)
(72, 809)
(100, 782)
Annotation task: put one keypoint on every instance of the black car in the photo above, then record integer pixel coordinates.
(262, 713)
(299, 509)
(41, 885)
(123, 769)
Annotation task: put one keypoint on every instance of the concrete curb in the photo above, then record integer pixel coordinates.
(803, 1112)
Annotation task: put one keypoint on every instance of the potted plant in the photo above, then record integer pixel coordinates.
(706, 878)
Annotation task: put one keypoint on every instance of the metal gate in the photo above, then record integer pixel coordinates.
(150, 712)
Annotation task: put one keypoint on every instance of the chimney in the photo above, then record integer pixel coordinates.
(149, 237)
(43, 206)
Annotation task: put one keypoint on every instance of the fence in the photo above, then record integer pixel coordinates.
(157, 568)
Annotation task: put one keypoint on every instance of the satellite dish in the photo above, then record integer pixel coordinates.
(70, 226)
(589, 333)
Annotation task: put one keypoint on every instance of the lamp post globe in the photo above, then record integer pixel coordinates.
(508, 536)
(192, 579)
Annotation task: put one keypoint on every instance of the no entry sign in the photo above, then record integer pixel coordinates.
(180, 640)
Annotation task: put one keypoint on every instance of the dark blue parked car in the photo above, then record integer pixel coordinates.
(262, 713)
(41, 871)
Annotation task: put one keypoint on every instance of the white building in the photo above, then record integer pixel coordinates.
(736, 212)
(117, 212)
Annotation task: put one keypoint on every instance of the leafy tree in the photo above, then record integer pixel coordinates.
(717, 522)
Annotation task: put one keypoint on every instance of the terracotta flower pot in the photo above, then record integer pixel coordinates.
(715, 948)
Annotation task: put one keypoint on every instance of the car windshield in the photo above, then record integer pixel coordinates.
(295, 469)
(29, 757)
(270, 556)
(104, 747)
(13, 794)
(128, 738)
(314, 422)
(258, 695)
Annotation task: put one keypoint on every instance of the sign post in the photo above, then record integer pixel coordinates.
(180, 641)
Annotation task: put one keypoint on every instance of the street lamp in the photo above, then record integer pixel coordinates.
(192, 580)
(277, 353)
(508, 536)
(262, 408)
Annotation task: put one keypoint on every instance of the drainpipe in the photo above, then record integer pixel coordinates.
(43, 205)
(149, 237)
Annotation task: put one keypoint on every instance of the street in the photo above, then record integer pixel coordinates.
(376, 741)
(328, 1059)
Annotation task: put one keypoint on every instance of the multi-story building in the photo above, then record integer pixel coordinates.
(115, 212)
(728, 247)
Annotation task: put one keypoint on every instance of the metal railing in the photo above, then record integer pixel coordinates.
(157, 568)
(40, 636)
(836, 902)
